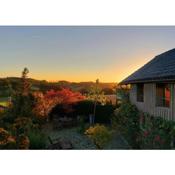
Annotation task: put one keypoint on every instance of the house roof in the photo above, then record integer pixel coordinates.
(160, 68)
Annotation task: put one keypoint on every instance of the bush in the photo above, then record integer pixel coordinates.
(7, 141)
(123, 95)
(22, 106)
(37, 140)
(24, 142)
(84, 107)
(99, 134)
(103, 112)
(81, 124)
(143, 131)
(126, 119)
(156, 133)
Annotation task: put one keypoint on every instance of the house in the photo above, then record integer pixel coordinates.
(153, 86)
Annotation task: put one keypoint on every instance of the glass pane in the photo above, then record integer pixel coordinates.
(167, 96)
(163, 95)
(140, 92)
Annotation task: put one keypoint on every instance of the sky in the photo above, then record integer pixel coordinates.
(77, 54)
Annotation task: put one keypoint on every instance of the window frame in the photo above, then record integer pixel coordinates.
(163, 98)
(140, 97)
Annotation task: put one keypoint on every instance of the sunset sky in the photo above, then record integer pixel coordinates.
(80, 53)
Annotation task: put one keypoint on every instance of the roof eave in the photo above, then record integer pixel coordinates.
(147, 81)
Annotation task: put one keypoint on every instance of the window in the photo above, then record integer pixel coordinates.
(140, 92)
(163, 95)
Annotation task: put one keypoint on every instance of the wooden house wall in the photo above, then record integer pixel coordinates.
(149, 104)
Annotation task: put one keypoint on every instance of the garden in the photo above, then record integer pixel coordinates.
(66, 119)
(143, 131)
(57, 119)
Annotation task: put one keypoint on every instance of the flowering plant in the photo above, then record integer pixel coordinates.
(155, 133)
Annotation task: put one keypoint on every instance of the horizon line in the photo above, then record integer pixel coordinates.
(54, 81)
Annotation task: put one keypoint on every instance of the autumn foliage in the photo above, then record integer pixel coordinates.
(6, 139)
(46, 102)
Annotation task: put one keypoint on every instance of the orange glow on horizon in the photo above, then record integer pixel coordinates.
(114, 73)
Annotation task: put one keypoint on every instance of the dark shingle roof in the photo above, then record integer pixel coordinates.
(160, 68)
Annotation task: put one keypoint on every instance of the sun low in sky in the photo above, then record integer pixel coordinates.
(80, 53)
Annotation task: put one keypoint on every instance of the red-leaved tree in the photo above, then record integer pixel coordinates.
(46, 102)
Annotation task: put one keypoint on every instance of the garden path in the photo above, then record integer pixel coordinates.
(82, 142)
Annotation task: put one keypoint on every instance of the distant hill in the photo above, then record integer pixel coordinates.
(43, 85)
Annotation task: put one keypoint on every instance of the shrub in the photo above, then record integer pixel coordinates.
(103, 112)
(37, 140)
(84, 107)
(22, 106)
(81, 124)
(24, 142)
(7, 141)
(99, 134)
(123, 95)
(126, 119)
(156, 133)
(143, 131)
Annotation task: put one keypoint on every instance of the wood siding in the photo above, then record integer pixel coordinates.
(149, 104)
